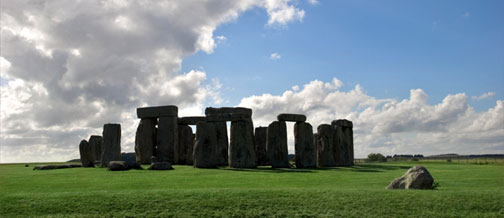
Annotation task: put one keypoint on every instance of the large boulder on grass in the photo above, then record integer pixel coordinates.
(416, 177)
(118, 166)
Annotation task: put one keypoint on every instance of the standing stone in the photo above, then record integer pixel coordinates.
(167, 140)
(86, 154)
(242, 150)
(222, 143)
(186, 142)
(111, 143)
(205, 145)
(145, 140)
(276, 144)
(260, 144)
(344, 139)
(190, 151)
(325, 142)
(306, 152)
(95, 141)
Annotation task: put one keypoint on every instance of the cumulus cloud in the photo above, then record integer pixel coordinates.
(483, 96)
(275, 56)
(388, 125)
(68, 67)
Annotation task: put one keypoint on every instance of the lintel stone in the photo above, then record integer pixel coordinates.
(191, 120)
(228, 117)
(228, 110)
(291, 117)
(159, 111)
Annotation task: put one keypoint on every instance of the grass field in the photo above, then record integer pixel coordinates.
(466, 190)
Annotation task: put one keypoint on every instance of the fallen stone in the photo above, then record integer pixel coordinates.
(324, 142)
(222, 149)
(185, 143)
(205, 145)
(416, 177)
(306, 152)
(161, 166)
(95, 141)
(260, 145)
(167, 140)
(291, 117)
(276, 145)
(86, 154)
(145, 140)
(227, 117)
(53, 167)
(191, 120)
(111, 143)
(118, 166)
(155, 112)
(241, 147)
(228, 110)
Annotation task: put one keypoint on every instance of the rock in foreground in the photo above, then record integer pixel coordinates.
(161, 166)
(416, 177)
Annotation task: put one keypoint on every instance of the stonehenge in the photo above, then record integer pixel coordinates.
(163, 139)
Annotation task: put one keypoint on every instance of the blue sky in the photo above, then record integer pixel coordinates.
(413, 76)
(389, 47)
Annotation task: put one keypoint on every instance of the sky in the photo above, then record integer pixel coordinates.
(415, 77)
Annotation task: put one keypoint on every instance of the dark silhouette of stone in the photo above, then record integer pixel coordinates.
(227, 117)
(167, 140)
(161, 166)
(222, 149)
(54, 167)
(260, 145)
(190, 151)
(291, 117)
(325, 143)
(155, 112)
(276, 144)
(344, 154)
(417, 177)
(185, 144)
(241, 148)
(95, 141)
(306, 152)
(228, 110)
(191, 120)
(118, 166)
(145, 140)
(86, 154)
(205, 145)
(111, 143)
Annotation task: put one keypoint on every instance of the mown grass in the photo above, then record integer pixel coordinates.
(466, 190)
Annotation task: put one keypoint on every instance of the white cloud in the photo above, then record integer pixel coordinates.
(68, 67)
(483, 96)
(275, 56)
(387, 125)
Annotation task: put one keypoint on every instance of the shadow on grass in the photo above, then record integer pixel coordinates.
(369, 168)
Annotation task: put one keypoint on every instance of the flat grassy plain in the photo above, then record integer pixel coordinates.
(466, 190)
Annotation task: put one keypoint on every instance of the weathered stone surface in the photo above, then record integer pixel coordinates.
(145, 140)
(222, 149)
(227, 117)
(291, 117)
(417, 177)
(344, 142)
(53, 167)
(118, 166)
(205, 145)
(185, 144)
(228, 110)
(161, 166)
(155, 112)
(191, 120)
(241, 149)
(260, 145)
(111, 143)
(190, 152)
(325, 144)
(306, 152)
(86, 154)
(276, 145)
(167, 140)
(95, 141)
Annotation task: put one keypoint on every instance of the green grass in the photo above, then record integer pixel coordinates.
(466, 190)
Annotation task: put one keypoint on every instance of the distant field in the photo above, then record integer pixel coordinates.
(466, 190)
